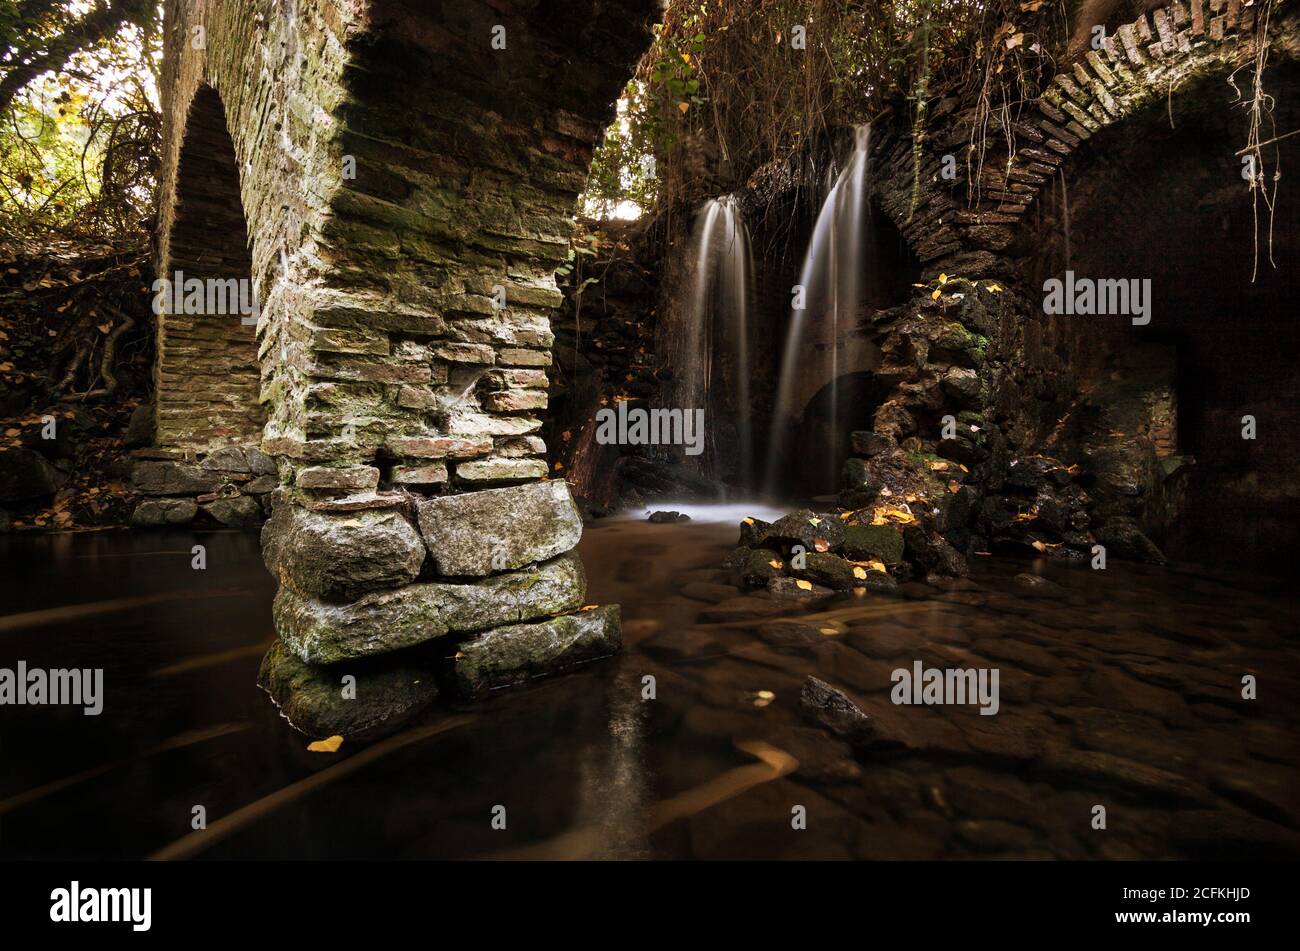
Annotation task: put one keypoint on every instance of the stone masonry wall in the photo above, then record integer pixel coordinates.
(409, 187)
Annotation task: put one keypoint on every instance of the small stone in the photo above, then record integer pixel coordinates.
(833, 709)
(511, 655)
(505, 469)
(345, 478)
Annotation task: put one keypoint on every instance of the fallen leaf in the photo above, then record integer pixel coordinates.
(803, 585)
(330, 745)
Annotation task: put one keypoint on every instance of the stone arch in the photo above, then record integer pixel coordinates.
(964, 226)
(206, 376)
(409, 173)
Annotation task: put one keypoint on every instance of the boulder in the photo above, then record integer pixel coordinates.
(341, 557)
(161, 477)
(752, 530)
(477, 533)
(239, 511)
(383, 621)
(26, 474)
(806, 528)
(388, 693)
(156, 512)
(872, 543)
(761, 565)
(511, 655)
(825, 569)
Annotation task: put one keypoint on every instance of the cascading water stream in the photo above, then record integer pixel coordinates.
(832, 285)
(720, 300)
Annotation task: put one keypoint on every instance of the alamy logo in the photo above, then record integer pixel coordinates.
(654, 427)
(75, 903)
(1085, 296)
(213, 295)
(33, 686)
(956, 685)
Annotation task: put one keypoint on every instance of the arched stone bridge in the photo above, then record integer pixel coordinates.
(397, 179)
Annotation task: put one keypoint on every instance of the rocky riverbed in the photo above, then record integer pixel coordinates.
(1119, 688)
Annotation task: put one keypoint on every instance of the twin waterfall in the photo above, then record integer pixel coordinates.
(823, 309)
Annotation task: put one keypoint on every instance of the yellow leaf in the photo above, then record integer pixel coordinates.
(330, 745)
(860, 573)
(935, 295)
(943, 279)
(590, 607)
(803, 585)
(828, 631)
(683, 106)
(775, 564)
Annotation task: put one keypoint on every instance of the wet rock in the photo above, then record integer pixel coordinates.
(477, 533)
(872, 543)
(339, 558)
(1124, 539)
(1100, 771)
(667, 518)
(26, 474)
(877, 582)
(826, 569)
(752, 530)
(161, 477)
(859, 481)
(867, 443)
(238, 512)
(932, 553)
(790, 588)
(1038, 585)
(761, 565)
(152, 513)
(140, 428)
(511, 655)
(833, 709)
(387, 694)
(383, 621)
(804, 527)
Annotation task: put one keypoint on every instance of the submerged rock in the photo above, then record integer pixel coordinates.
(477, 533)
(833, 709)
(340, 558)
(511, 655)
(384, 621)
(313, 699)
(790, 588)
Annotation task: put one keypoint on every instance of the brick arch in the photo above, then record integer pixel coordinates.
(964, 226)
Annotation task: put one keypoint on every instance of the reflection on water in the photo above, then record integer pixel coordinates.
(1120, 688)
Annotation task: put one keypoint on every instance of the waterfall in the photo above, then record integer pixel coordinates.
(831, 278)
(720, 302)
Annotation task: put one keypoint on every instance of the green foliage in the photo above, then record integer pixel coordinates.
(729, 85)
(78, 145)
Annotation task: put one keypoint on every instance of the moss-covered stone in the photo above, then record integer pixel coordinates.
(314, 700)
(872, 542)
(384, 621)
(511, 655)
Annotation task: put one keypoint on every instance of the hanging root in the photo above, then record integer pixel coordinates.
(1260, 110)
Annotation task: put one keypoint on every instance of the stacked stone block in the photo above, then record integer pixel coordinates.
(409, 190)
